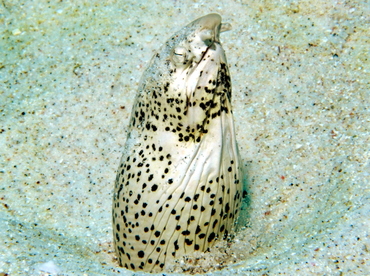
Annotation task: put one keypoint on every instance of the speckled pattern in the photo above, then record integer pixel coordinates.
(69, 71)
(178, 187)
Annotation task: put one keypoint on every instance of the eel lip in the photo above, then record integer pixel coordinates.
(212, 22)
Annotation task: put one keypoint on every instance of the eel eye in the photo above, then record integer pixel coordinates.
(179, 55)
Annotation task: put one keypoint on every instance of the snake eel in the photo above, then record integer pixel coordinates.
(179, 183)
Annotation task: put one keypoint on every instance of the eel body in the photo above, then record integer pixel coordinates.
(179, 185)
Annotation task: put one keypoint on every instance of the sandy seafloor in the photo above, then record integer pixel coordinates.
(69, 71)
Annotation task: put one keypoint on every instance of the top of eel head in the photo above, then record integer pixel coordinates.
(185, 76)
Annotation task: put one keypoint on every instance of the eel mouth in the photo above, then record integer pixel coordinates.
(209, 32)
(205, 52)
